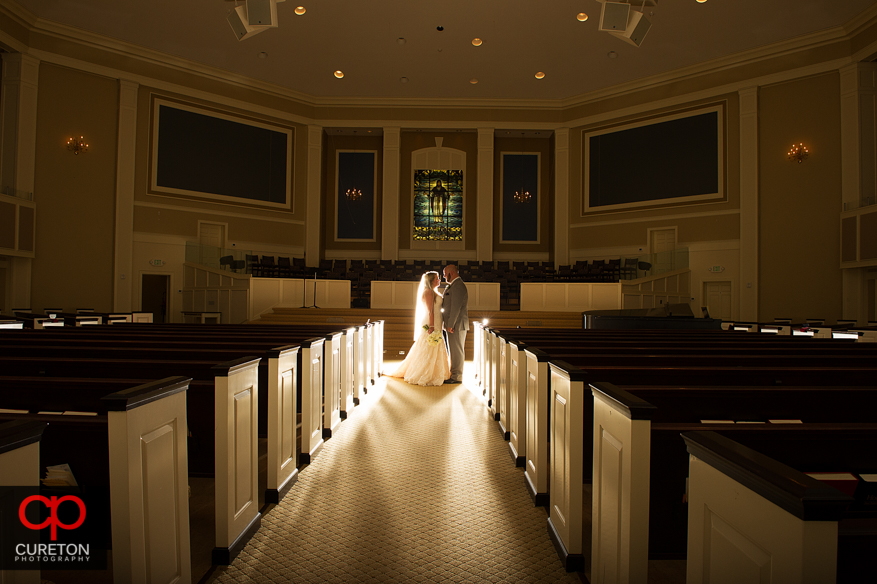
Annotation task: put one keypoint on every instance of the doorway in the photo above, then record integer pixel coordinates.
(155, 296)
(717, 299)
(662, 244)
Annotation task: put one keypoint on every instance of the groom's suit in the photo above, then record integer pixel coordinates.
(456, 316)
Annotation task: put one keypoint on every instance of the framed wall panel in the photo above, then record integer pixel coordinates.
(355, 213)
(520, 219)
(676, 159)
(208, 154)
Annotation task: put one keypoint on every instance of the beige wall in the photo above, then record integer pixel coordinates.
(799, 204)
(75, 195)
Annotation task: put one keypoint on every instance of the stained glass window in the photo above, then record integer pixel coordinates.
(438, 205)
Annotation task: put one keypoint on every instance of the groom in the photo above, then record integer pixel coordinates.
(456, 321)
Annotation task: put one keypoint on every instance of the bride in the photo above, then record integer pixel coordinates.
(427, 362)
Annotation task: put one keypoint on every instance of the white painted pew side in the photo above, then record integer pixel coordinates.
(348, 370)
(20, 467)
(502, 385)
(310, 369)
(565, 485)
(377, 349)
(536, 465)
(752, 519)
(620, 489)
(493, 361)
(149, 495)
(369, 351)
(477, 350)
(237, 456)
(331, 384)
(517, 402)
(282, 420)
(359, 357)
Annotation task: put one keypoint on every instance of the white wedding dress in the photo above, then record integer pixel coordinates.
(426, 363)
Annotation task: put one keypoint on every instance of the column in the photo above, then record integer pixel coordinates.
(313, 225)
(561, 196)
(858, 126)
(390, 194)
(123, 276)
(484, 215)
(18, 106)
(749, 204)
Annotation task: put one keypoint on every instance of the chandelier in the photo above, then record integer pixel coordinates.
(354, 194)
(798, 152)
(77, 145)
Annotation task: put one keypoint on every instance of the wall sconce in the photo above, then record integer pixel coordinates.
(77, 145)
(798, 153)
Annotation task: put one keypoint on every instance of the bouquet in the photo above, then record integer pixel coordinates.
(434, 338)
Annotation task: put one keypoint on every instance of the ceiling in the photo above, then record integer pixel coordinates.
(520, 38)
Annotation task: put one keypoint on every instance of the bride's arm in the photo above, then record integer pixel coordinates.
(429, 301)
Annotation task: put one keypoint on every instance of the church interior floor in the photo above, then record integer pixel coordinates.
(416, 486)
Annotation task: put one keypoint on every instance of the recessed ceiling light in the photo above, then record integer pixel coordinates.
(476, 42)
(339, 74)
(581, 17)
(701, 1)
(540, 75)
(403, 80)
(612, 54)
(473, 81)
(300, 10)
(401, 40)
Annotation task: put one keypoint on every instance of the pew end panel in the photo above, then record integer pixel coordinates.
(493, 373)
(311, 390)
(620, 489)
(348, 371)
(20, 467)
(477, 332)
(517, 402)
(282, 421)
(359, 367)
(536, 465)
(565, 485)
(750, 516)
(149, 491)
(237, 456)
(502, 387)
(332, 384)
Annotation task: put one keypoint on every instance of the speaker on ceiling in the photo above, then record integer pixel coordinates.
(613, 16)
(262, 13)
(637, 27)
(237, 18)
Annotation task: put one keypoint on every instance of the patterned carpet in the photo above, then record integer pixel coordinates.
(416, 486)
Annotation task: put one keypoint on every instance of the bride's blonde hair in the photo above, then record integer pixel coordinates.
(427, 282)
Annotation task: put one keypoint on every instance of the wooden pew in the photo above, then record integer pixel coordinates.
(860, 377)
(630, 446)
(144, 430)
(19, 467)
(750, 513)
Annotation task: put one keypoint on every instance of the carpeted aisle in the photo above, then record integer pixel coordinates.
(416, 486)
